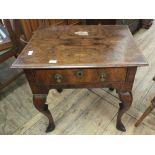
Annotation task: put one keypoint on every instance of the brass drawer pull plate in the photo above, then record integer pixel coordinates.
(58, 78)
(103, 77)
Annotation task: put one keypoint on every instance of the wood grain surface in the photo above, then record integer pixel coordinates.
(18, 115)
(101, 46)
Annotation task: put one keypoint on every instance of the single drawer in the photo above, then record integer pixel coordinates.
(79, 76)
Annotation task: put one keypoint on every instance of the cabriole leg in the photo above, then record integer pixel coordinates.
(126, 99)
(39, 101)
(59, 90)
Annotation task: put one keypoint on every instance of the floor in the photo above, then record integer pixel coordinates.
(82, 111)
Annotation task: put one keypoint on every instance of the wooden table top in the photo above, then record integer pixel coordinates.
(85, 46)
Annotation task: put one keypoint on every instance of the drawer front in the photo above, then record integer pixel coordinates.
(79, 76)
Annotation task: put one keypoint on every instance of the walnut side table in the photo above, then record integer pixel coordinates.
(94, 56)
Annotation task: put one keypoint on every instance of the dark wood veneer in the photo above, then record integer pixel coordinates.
(106, 57)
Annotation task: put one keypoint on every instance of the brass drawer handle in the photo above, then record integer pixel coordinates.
(79, 73)
(58, 78)
(103, 77)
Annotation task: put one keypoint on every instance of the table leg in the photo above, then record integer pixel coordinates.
(59, 90)
(126, 99)
(111, 89)
(39, 102)
(147, 111)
